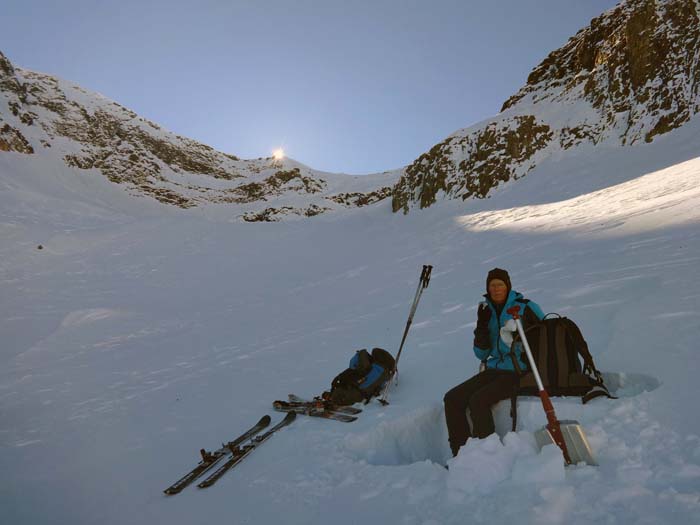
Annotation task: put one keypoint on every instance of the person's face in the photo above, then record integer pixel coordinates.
(498, 291)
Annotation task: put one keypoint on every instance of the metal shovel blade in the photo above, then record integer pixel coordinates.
(575, 439)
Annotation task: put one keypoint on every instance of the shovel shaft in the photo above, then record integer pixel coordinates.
(553, 425)
(530, 359)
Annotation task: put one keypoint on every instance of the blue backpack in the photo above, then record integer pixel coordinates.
(364, 379)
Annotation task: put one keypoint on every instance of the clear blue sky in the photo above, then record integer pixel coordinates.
(346, 86)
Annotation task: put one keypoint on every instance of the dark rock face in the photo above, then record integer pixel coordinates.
(637, 62)
(357, 199)
(11, 139)
(637, 69)
(273, 186)
(276, 214)
(470, 165)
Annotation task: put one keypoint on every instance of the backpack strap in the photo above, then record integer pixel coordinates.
(516, 386)
(599, 389)
(581, 345)
(514, 404)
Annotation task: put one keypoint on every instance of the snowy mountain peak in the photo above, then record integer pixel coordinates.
(637, 65)
(40, 114)
(632, 75)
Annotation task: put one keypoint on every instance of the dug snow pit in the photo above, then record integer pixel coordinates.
(482, 464)
(418, 436)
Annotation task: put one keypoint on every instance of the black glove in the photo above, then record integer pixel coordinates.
(481, 332)
(483, 316)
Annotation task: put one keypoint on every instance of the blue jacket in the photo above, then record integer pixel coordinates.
(498, 356)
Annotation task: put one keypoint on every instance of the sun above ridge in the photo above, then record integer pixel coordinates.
(278, 154)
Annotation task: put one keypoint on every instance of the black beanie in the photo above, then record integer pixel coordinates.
(498, 273)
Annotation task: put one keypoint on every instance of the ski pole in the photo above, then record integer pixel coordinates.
(422, 285)
(553, 425)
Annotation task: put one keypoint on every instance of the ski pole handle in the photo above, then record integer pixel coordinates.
(423, 283)
(425, 275)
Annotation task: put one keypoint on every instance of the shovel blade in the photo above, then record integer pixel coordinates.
(576, 442)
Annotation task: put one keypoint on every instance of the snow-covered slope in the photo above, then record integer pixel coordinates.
(632, 75)
(135, 333)
(54, 122)
(139, 334)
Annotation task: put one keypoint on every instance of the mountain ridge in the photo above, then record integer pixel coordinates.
(86, 131)
(630, 76)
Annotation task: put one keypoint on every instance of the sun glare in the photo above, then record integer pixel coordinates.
(278, 154)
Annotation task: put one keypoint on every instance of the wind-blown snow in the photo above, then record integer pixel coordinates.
(663, 198)
(141, 333)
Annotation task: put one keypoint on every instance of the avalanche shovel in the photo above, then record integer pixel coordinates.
(567, 435)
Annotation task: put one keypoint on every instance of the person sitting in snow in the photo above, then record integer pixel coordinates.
(499, 378)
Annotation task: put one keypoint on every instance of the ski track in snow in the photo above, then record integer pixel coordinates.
(132, 340)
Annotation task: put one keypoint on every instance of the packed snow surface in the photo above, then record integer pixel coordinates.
(139, 334)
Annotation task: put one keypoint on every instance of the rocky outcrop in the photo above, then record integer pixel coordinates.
(358, 199)
(273, 186)
(11, 139)
(276, 214)
(630, 76)
(470, 165)
(637, 65)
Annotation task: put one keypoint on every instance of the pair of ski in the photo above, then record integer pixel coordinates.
(235, 450)
(317, 408)
(238, 449)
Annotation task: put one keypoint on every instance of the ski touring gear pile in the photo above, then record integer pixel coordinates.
(364, 379)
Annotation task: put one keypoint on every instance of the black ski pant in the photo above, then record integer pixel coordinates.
(477, 394)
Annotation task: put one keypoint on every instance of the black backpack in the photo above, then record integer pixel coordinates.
(565, 365)
(364, 379)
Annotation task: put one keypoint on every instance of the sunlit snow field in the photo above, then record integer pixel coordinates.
(140, 334)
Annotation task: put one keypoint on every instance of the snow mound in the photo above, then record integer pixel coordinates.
(484, 463)
(421, 434)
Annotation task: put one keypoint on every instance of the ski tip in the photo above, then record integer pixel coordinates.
(291, 416)
(265, 420)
